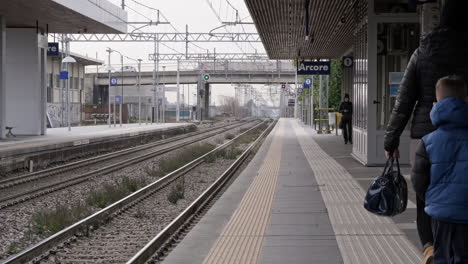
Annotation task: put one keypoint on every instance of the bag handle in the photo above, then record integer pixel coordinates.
(388, 165)
(398, 166)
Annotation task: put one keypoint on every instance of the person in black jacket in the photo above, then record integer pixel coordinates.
(346, 109)
(442, 52)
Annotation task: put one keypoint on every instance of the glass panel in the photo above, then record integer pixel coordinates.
(396, 44)
(360, 79)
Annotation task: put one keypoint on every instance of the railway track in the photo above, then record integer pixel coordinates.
(138, 240)
(34, 185)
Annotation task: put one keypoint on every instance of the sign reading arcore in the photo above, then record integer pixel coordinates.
(313, 68)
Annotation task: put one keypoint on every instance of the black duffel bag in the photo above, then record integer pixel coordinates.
(388, 194)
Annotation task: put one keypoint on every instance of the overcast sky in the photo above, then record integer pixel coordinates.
(199, 17)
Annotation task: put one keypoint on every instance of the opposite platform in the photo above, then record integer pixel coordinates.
(15, 150)
(294, 203)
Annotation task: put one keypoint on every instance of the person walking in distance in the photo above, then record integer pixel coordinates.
(439, 175)
(442, 52)
(346, 109)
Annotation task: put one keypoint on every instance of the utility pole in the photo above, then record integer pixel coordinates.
(123, 4)
(67, 43)
(163, 102)
(178, 91)
(154, 80)
(122, 88)
(139, 91)
(108, 90)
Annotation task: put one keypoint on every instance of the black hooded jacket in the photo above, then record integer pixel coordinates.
(441, 53)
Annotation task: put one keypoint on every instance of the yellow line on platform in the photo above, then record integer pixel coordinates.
(242, 237)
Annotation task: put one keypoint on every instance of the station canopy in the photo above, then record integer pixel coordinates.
(65, 16)
(307, 29)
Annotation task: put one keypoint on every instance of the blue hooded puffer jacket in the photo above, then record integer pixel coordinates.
(447, 149)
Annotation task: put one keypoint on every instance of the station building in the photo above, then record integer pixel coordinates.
(56, 91)
(380, 37)
(24, 29)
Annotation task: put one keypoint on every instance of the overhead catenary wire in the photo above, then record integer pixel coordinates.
(166, 20)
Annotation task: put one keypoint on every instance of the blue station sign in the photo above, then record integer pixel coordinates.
(113, 81)
(313, 68)
(63, 75)
(52, 49)
(307, 83)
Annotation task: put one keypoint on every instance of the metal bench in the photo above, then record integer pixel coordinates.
(9, 134)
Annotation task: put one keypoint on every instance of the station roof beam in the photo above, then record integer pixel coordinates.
(65, 16)
(306, 29)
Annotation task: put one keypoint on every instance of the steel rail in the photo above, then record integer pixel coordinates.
(41, 191)
(196, 206)
(77, 164)
(103, 215)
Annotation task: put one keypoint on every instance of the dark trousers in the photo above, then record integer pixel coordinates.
(347, 126)
(423, 222)
(450, 242)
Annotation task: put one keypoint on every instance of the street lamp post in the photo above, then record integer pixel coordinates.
(109, 70)
(138, 61)
(66, 61)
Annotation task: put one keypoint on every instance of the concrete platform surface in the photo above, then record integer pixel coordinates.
(300, 201)
(60, 137)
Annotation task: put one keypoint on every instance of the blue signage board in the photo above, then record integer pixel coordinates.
(63, 75)
(118, 99)
(307, 83)
(52, 49)
(113, 81)
(313, 68)
(394, 82)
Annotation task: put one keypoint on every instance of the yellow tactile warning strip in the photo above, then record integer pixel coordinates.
(362, 237)
(242, 237)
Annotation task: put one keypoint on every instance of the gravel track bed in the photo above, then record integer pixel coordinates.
(69, 175)
(16, 228)
(125, 235)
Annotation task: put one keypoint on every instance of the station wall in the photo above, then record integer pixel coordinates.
(25, 81)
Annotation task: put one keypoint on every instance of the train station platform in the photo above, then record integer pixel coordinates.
(16, 150)
(300, 200)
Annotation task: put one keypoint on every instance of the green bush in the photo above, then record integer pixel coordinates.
(229, 136)
(176, 193)
(51, 221)
(187, 155)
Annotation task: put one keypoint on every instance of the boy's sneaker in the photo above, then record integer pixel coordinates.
(428, 255)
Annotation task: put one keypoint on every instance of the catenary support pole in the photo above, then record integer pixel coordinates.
(178, 92)
(139, 92)
(109, 88)
(154, 82)
(68, 84)
(122, 91)
(2, 76)
(297, 95)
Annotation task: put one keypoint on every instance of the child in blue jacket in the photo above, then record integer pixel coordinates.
(440, 174)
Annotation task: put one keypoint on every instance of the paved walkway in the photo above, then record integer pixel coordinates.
(56, 136)
(297, 203)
